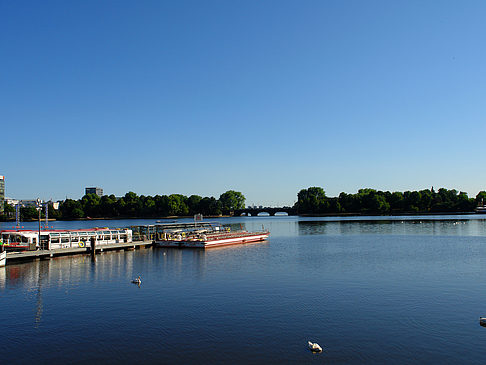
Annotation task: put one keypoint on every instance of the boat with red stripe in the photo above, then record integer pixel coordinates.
(207, 235)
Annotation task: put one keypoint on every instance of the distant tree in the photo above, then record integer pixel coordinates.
(147, 206)
(373, 201)
(210, 206)
(133, 205)
(312, 200)
(71, 209)
(231, 200)
(91, 205)
(108, 206)
(396, 201)
(177, 205)
(193, 203)
(161, 205)
(481, 198)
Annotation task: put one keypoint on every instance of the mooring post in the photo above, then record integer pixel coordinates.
(93, 246)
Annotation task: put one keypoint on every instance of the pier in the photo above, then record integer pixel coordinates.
(15, 257)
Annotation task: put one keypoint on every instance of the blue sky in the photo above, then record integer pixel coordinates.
(262, 97)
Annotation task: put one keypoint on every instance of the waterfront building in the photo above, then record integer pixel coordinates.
(2, 192)
(94, 190)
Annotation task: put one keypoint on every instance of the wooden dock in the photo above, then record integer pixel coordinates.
(15, 257)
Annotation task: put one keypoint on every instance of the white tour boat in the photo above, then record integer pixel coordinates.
(28, 240)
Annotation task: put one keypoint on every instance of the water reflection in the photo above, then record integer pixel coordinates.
(449, 227)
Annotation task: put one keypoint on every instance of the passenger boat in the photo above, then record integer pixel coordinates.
(207, 235)
(28, 240)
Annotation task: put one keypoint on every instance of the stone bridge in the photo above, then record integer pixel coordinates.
(255, 211)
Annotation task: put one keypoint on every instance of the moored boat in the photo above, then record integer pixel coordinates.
(28, 240)
(206, 236)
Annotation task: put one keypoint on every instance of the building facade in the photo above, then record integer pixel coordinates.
(95, 190)
(2, 192)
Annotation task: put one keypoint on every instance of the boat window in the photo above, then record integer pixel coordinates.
(54, 240)
(74, 239)
(25, 239)
(64, 239)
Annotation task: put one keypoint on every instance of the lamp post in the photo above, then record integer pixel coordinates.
(39, 209)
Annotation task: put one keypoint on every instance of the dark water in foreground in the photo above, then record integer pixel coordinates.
(373, 291)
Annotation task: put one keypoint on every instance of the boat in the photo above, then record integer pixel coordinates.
(205, 235)
(314, 346)
(3, 258)
(28, 240)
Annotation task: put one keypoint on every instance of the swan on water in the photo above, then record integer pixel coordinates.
(137, 280)
(314, 346)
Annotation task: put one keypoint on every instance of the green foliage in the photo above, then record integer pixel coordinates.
(71, 209)
(232, 200)
(312, 200)
(369, 201)
(134, 206)
(481, 198)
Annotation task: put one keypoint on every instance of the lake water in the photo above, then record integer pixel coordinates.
(402, 290)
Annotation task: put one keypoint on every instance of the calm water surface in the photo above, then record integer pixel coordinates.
(369, 290)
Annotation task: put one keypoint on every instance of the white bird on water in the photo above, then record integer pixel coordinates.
(314, 347)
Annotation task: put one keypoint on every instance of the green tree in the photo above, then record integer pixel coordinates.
(161, 205)
(133, 205)
(71, 209)
(193, 203)
(232, 200)
(108, 206)
(91, 205)
(481, 198)
(210, 206)
(177, 205)
(312, 200)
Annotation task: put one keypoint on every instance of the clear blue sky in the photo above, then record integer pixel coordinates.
(262, 97)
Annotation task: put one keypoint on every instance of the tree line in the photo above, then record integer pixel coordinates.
(132, 205)
(369, 201)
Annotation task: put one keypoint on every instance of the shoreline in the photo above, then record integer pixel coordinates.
(233, 216)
